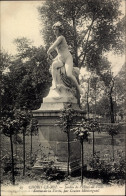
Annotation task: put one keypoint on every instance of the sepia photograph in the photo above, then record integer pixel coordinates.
(63, 97)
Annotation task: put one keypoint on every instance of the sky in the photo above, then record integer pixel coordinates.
(21, 19)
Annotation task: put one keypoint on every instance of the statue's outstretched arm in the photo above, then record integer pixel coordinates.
(55, 44)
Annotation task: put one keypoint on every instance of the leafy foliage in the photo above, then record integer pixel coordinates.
(113, 129)
(92, 28)
(94, 125)
(107, 169)
(120, 91)
(66, 117)
(28, 80)
(5, 60)
(24, 117)
(82, 130)
(10, 124)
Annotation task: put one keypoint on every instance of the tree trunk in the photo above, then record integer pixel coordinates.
(113, 148)
(12, 158)
(111, 103)
(82, 162)
(112, 109)
(68, 160)
(87, 43)
(95, 103)
(31, 146)
(75, 42)
(93, 131)
(88, 109)
(115, 106)
(23, 152)
(16, 144)
(93, 144)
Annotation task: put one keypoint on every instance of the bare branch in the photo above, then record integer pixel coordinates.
(87, 40)
(89, 28)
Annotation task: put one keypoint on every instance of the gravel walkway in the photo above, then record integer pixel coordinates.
(68, 187)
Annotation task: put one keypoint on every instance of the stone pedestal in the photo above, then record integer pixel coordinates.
(52, 139)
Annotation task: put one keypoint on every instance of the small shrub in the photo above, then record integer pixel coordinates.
(7, 164)
(108, 169)
(50, 172)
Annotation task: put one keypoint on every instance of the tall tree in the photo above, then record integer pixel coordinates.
(109, 81)
(5, 59)
(65, 120)
(93, 91)
(23, 117)
(91, 28)
(120, 91)
(28, 79)
(82, 132)
(9, 126)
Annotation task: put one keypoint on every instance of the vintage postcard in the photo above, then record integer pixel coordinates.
(63, 97)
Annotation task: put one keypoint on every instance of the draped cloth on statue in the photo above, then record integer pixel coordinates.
(65, 90)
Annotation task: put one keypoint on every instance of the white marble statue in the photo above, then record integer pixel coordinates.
(63, 73)
(64, 56)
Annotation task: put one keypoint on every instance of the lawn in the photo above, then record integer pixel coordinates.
(102, 145)
(29, 181)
